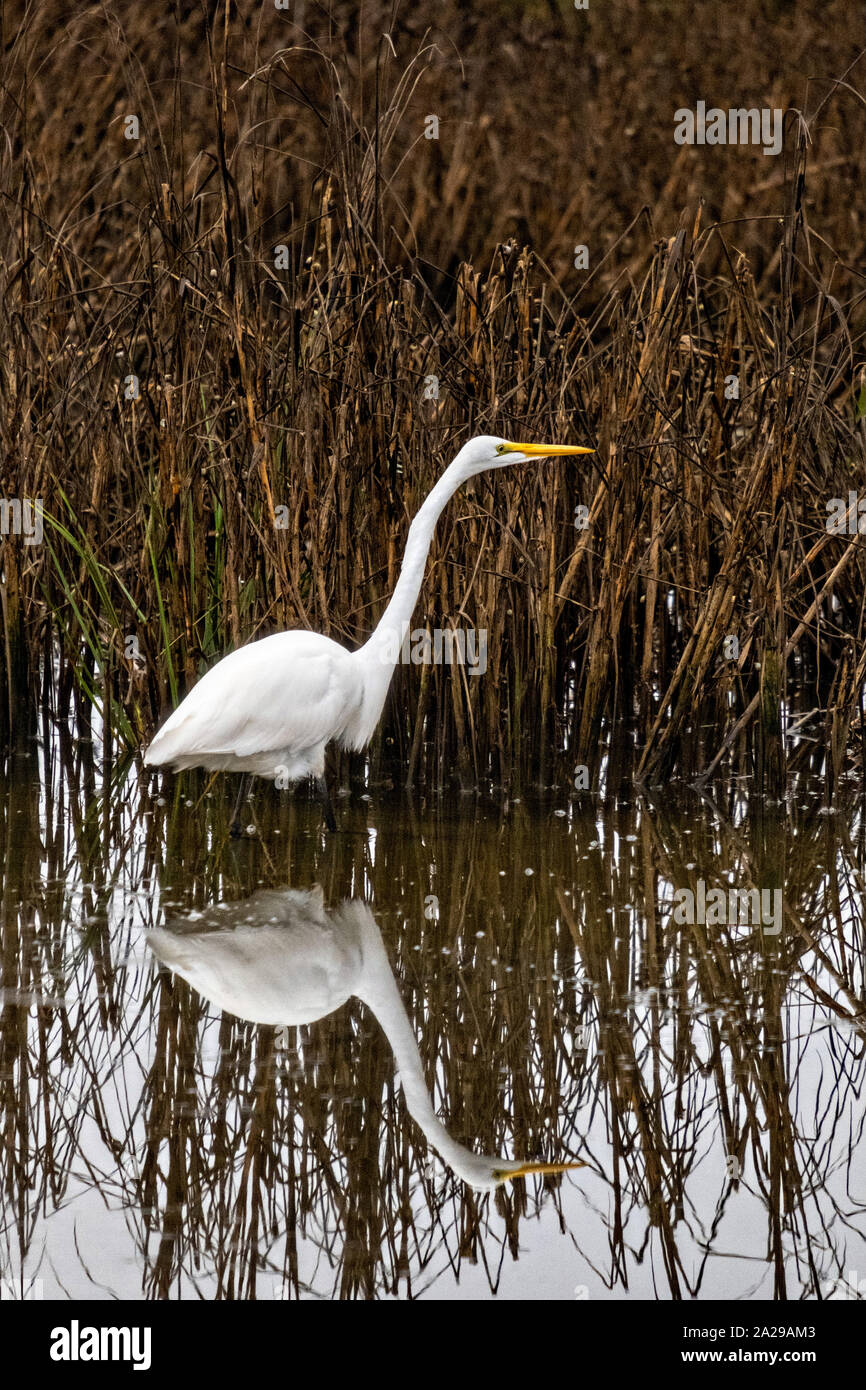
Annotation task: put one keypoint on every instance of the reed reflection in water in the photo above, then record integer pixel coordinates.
(530, 977)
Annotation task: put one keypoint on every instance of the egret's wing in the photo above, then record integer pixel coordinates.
(293, 690)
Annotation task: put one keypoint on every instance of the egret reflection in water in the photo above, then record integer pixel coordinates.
(281, 958)
(167, 1150)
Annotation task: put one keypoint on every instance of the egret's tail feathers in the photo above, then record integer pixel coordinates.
(163, 749)
(177, 743)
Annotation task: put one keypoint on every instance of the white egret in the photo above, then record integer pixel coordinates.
(281, 958)
(270, 708)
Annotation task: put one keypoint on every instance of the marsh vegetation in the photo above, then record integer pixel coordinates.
(249, 314)
(220, 338)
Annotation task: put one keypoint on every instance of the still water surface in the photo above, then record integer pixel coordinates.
(272, 1068)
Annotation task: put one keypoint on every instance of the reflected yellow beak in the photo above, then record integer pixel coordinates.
(527, 1169)
(545, 450)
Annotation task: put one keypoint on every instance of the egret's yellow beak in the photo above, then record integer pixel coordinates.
(544, 450)
(527, 1169)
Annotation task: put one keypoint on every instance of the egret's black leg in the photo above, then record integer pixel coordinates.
(236, 829)
(325, 799)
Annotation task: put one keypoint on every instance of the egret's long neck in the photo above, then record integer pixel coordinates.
(402, 605)
(380, 654)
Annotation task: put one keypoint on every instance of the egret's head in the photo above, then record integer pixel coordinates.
(485, 1173)
(508, 1170)
(489, 451)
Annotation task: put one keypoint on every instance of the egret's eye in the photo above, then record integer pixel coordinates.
(500, 448)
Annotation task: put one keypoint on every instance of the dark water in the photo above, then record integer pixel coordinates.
(525, 963)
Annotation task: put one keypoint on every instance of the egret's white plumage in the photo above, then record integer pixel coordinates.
(273, 704)
(282, 958)
(272, 707)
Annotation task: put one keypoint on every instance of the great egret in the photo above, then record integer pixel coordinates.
(271, 708)
(281, 957)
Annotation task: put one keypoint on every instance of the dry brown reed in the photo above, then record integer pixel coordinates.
(227, 439)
